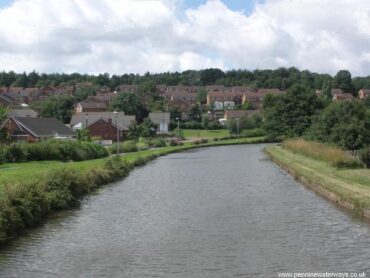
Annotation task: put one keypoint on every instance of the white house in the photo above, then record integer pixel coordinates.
(162, 120)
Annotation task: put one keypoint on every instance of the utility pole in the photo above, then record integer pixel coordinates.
(117, 143)
(178, 130)
(238, 127)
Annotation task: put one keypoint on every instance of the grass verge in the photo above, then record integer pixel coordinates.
(30, 191)
(349, 188)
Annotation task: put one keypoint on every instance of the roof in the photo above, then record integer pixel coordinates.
(159, 117)
(43, 127)
(236, 113)
(94, 102)
(80, 119)
(23, 113)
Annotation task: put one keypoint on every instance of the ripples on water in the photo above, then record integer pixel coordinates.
(215, 212)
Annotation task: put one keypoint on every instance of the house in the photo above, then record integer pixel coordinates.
(162, 120)
(30, 129)
(103, 124)
(182, 105)
(91, 104)
(364, 93)
(124, 88)
(26, 112)
(184, 93)
(6, 100)
(235, 114)
(339, 95)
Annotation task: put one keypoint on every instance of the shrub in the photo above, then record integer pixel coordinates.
(203, 141)
(15, 153)
(365, 156)
(253, 132)
(173, 142)
(320, 151)
(158, 143)
(129, 146)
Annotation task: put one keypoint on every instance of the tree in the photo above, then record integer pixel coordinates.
(148, 129)
(134, 131)
(21, 81)
(201, 96)
(346, 124)
(56, 107)
(210, 76)
(83, 135)
(343, 80)
(130, 104)
(85, 90)
(195, 113)
(326, 92)
(175, 113)
(3, 113)
(290, 114)
(247, 105)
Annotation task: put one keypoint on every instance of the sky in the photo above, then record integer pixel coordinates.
(137, 36)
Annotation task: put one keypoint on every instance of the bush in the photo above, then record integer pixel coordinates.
(129, 146)
(158, 143)
(15, 153)
(365, 156)
(53, 150)
(253, 132)
(330, 154)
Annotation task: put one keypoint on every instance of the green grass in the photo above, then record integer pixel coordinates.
(193, 133)
(32, 171)
(351, 185)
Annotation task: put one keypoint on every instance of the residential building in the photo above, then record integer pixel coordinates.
(92, 104)
(235, 114)
(182, 105)
(364, 93)
(25, 112)
(103, 124)
(28, 129)
(162, 120)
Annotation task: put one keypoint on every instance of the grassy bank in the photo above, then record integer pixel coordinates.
(194, 133)
(30, 191)
(349, 188)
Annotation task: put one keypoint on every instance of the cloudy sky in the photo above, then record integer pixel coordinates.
(122, 36)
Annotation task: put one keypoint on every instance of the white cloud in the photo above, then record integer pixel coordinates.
(120, 36)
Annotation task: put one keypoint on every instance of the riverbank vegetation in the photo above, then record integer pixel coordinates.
(30, 191)
(60, 150)
(346, 186)
(330, 154)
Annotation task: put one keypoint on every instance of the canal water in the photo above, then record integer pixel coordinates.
(214, 212)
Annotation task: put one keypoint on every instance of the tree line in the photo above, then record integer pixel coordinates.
(281, 78)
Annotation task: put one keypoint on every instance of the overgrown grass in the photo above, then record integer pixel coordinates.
(324, 152)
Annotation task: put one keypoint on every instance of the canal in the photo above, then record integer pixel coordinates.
(214, 212)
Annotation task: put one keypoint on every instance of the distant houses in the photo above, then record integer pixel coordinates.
(19, 95)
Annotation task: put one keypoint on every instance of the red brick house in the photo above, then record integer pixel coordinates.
(30, 129)
(103, 124)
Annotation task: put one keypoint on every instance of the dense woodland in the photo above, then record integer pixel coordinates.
(282, 78)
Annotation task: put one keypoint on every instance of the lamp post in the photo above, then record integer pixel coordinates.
(117, 143)
(86, 120)
(178, 129)
(238, 127)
